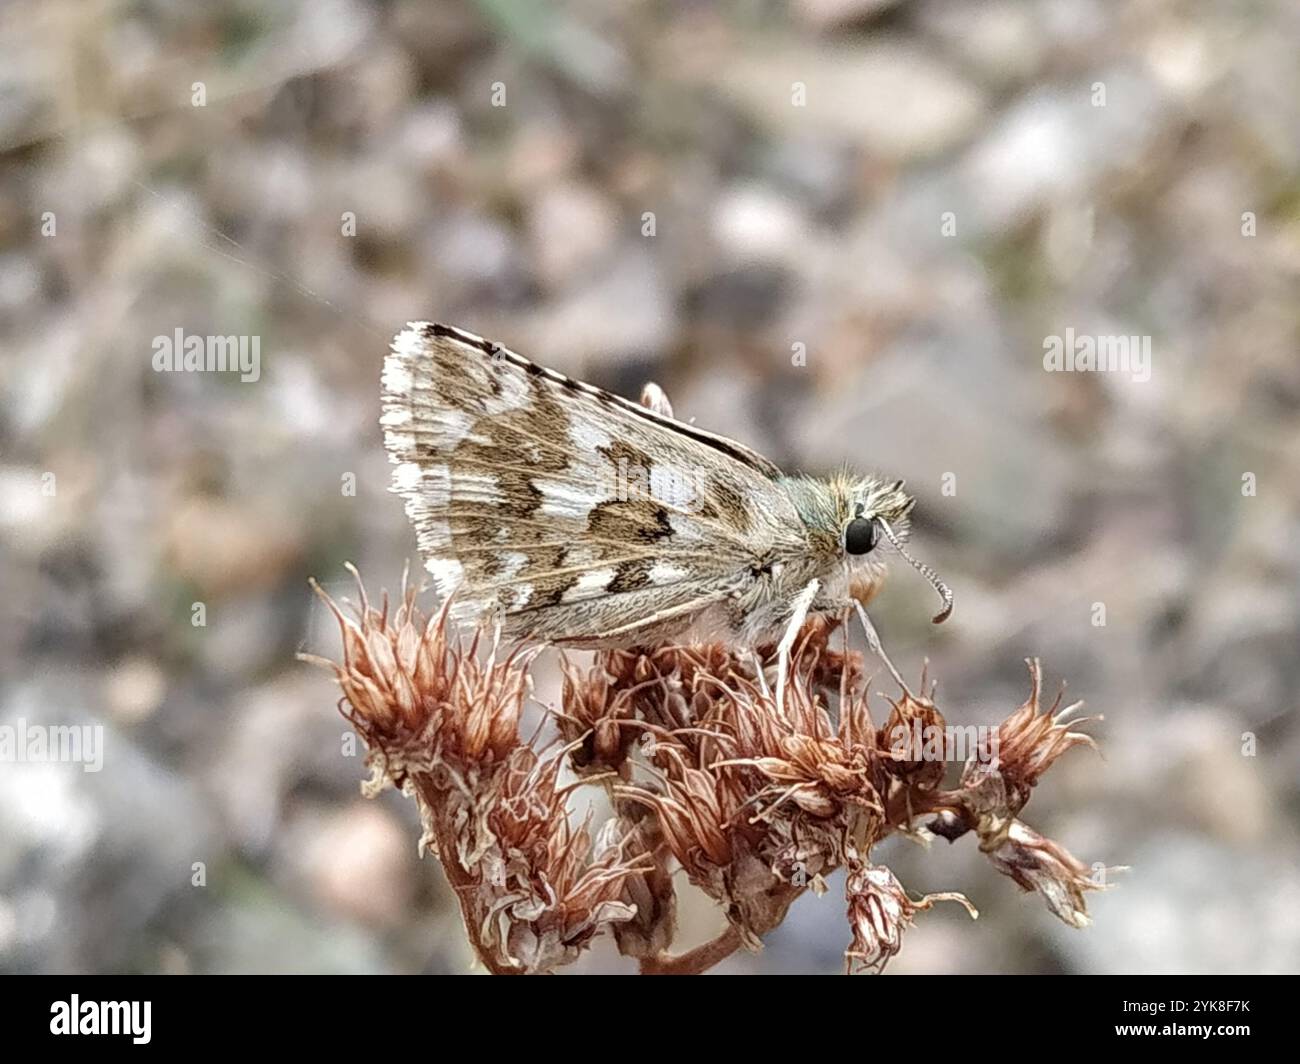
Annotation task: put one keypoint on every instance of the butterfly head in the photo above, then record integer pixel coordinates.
(868, 506)
(875, 512)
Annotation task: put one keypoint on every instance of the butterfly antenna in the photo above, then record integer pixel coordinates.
(944, 591)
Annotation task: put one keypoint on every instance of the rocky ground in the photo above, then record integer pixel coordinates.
(863, 272)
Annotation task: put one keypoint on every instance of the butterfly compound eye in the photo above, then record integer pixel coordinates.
(860, 536)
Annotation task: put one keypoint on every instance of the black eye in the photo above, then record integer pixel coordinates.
(860, 536)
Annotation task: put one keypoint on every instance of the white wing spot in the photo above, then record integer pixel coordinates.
(447, 573)
(593, 580)
(666, 573)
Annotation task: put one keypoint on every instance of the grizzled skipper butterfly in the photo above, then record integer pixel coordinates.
(579, 518)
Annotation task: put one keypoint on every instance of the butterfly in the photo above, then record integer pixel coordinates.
(580, 518)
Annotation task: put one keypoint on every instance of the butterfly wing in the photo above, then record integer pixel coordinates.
(575, 514)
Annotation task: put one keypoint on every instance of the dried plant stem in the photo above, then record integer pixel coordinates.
(695, 961)
(463, 885)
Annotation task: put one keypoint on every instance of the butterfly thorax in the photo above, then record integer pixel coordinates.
(825, 507)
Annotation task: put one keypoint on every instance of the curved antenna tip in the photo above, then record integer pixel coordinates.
(943, 590)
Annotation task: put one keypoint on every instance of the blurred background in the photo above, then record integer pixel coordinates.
(920, 193)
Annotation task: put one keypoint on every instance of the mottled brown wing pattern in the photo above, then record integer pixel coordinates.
(574, 513)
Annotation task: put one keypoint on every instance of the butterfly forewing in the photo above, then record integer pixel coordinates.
(577, 515)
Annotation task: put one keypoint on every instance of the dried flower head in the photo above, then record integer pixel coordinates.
(914, 737)
(597, 720)
(757, 798)
(1031, 739)
(395, 669)
(879, 912)
(651, 929)
(1041, 865)
(441, 721)
(1026, 745)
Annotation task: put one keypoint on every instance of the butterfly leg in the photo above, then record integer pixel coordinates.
(797, 617)
(873, 641)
